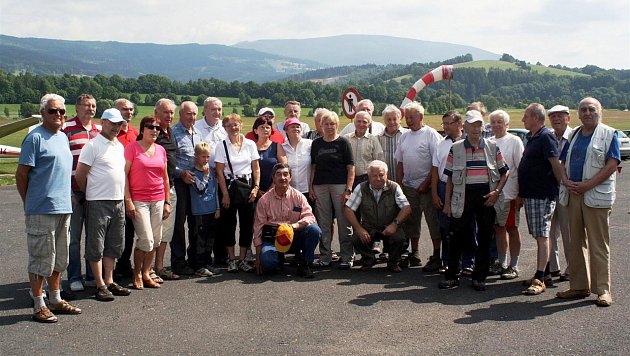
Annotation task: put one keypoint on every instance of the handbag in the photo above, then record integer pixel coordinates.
(239, 189)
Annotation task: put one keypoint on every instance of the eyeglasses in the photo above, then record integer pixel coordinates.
(152, 127)
(56, 111)
(448, 123)
(267, 116)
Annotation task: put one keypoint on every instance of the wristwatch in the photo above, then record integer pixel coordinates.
(397, 222)
(349, 191)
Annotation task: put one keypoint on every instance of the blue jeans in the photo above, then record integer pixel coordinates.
(77, 221)
(304, 241)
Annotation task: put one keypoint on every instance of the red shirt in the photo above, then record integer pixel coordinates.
(129, 136)
(276, 137)
(78, 136)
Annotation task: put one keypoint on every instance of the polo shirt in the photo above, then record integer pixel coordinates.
(535, 175)
(476, 165)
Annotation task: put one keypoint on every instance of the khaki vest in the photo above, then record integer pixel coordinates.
(375, 216)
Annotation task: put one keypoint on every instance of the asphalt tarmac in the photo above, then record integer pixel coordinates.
(338, 312)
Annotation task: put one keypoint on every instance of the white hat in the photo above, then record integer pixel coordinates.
(473, 116)
(264, 110)
(558, 108)
(112, 115)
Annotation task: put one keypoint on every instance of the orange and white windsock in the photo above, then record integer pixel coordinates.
(439, 73)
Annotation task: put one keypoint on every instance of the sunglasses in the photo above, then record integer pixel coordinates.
(152, 127)
(56, 111)
(267, 116)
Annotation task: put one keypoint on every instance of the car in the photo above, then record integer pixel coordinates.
(624, 144)
(522, 133)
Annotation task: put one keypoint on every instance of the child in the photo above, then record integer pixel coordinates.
(204, 201)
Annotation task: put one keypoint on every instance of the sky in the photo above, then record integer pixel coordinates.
(571, 33)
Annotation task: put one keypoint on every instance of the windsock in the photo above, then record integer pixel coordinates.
(439, 73)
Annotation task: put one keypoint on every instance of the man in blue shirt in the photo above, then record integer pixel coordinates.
(186, 137)
(590, 158)
(43, 181)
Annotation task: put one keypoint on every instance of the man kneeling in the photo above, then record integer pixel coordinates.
(284, 207)
(383, 207)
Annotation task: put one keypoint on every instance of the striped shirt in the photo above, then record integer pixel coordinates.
(365, 149)
(78, 136)
(389, 143)
(476, 166)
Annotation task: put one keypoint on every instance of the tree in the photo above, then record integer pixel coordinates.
(201, 98)
(7, 113)
(102, 105)
(28, 109)
(262, 103)
(248, 111)
(135, 98)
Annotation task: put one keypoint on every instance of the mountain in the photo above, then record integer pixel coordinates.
(363, 49)
(181, 62)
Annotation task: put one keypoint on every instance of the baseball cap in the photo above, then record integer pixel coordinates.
(284, 238)
(264, 110)
(112, 115)
(558, 108)
(291, 121)
(473, 116)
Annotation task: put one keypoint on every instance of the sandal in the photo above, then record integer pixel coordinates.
(155, 277)
(150, 283)
(137, 283)
(167, 275)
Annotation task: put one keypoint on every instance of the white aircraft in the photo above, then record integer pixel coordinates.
(7, 129)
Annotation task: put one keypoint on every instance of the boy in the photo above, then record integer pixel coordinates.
(204, 201)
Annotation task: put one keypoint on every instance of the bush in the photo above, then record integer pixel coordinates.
(28, 109)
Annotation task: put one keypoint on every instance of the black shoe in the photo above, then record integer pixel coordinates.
(183, 270)
(68, 295)
(104, 295)
(123, 270)
(117, 289)
(449, 284)
(479, 286)
(305, 271)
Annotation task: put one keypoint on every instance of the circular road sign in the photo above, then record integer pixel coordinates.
(349, 102)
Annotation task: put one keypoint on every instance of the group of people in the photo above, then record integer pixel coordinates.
(132, 191)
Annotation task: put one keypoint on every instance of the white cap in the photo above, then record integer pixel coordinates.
(473, 116)
(264, 110)
(558, 108)
(112, 115)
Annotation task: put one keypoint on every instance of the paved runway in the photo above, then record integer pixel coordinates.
(339, 312)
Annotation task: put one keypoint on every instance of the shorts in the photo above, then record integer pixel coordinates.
(105, 227)
(168, 224)
(508, 215)
(47, 237)
(421, 203)
(539, 213)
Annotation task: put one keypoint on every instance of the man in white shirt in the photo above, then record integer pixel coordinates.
(210, 126)
(101, 175)
(375, 128)
(292, 109)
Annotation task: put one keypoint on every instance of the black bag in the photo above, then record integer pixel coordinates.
(239, 189)
(269, 233)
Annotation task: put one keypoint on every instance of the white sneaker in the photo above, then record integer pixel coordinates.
(245, 267)
(250, 256)
(232, 266)
(204, 272)
(76, 286)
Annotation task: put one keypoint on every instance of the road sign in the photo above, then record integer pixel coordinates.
(349, 101)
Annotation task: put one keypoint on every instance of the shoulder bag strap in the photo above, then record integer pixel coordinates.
(227, 155)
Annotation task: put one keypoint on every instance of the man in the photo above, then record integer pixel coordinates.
(292, 109)
(508, 211)
(43, 181)
(383, 208)
(79, 131)
(267, 113)
(284, 204)
(559, 117)
(165, 113)
(538, 176)
(210, 126)
(590, 163)
(479, 106)
(187, 137)
(317, 118)
(126, 135)
(390, 137)
(413, 173)
(365, 146)
(101, 176)
(452, 125)
(476, 176)
(376, 128)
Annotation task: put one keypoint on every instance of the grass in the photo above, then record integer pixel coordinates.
(487, 64)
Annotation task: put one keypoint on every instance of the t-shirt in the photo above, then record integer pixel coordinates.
(48, 154)
(331, 160)
(268, 159)
(415, 151)
(106, 178)
(129, 136)
(512, 149)
(241, 161)
(203, 193)
(578, 154)
(146, 175)
(535, 175)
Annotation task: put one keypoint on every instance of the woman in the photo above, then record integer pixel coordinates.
(146, 197)
(332, 175)
(243, 158)
(296, 151)
(267, 150)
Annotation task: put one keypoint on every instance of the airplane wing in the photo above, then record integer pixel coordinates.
(16, 126)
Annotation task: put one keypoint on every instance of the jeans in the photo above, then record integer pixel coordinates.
(77, 221)
(304, 242)
(206, 232)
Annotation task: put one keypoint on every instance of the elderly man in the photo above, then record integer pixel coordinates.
(284, 204)
(375, 128)
(508, 211)
(164, 111)
(590, 158)
(383, 208)
(186, 137)
(126, 135)
(267, 113)
(538, 176)
(476, 174)
(292, 109)
(317, 118)
(390, 137)
(101, 175)
(413, 173)
(559, 117)
(210, 126)
(43, 181)
(79, 131)
(365, 146)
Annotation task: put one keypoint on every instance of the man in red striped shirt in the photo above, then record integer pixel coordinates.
(80, 130)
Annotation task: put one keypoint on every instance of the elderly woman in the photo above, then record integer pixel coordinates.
(146, 197)
(268, 151)
(297, 152)
(237, 158)
(332, 174)
(365, 146)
